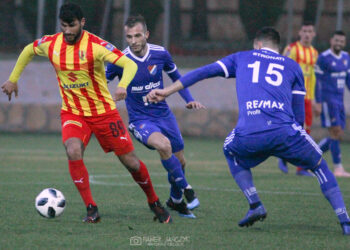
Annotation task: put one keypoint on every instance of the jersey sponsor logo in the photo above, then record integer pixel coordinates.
(145, 88)
(152, 69)
(253, 107)
(72, 77)
(338, 74)
(279, 58)
(75, 85)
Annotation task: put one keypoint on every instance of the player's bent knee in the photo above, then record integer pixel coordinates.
(130, 161)
(164, 147)
(74, 149)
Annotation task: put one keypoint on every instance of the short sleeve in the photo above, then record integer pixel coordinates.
(229, 65)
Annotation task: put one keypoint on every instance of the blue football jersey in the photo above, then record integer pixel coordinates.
(148, 77)
(332, 72)
(265, 82)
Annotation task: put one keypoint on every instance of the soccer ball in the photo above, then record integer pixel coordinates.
(50, 203)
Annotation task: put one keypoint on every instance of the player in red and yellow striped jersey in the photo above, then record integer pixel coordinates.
(87, 106)
(306, 56)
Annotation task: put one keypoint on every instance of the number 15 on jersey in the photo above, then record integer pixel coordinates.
(273, 75)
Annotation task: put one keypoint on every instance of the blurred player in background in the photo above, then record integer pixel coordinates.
(154, 125)
(305, 55)
(270, 92)
(87, 106)
(332, 73)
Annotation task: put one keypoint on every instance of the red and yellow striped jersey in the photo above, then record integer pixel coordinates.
(80, 71)
(306, 57)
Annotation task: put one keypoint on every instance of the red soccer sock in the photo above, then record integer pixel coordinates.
(80, 177)
(144, 180)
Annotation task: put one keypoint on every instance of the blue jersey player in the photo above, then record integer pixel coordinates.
(154, 125)
(270, 91)
(332, 73)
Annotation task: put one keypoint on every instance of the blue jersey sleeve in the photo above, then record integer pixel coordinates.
(298, 91)
(170, 67)
(172, 71)
(348, 75)
(112, 71)
(229, 65)
(298, 86)
(320, 68)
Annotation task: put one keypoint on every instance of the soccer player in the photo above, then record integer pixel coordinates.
(306, 56)
(154, 125)
(270, 91)
(87, 106)
(332, 73)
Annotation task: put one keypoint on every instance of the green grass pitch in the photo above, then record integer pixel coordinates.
(298, 215)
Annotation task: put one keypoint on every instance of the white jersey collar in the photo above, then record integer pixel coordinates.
(141, 59)
(269, 49)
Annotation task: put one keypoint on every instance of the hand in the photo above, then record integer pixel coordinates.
(195, 105)
(120, 94)
(8, 88)
(317, 109)
(156, 95)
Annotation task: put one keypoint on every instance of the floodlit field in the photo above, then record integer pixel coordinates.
(298, 215)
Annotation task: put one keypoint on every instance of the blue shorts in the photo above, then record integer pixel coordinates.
(333, 114)
(290, 143)
(142, 129)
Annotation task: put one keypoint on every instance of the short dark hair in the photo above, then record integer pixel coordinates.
(339, 33)
(268, 34)
(134, 19)
(70, 11)
(308, 23)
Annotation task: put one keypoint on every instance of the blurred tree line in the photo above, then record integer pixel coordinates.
(19, 18)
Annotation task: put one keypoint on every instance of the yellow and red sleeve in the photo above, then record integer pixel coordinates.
(24, 58)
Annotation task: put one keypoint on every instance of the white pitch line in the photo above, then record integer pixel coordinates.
(96, 182)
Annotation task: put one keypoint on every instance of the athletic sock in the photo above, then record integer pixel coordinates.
(173, 166)
(324, 144)
(331, 191)
(175, 192)
(244, 180)
(80, 177)
(142, 178)
(335, 150)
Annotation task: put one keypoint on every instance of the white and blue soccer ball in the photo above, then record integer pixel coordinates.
(50, 203)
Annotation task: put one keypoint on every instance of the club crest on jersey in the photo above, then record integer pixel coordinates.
(82, 55)
(110, 47)
(152, 69)
(345, 62)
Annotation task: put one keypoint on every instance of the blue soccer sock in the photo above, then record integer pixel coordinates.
(244, 180)
(335, 150)
(324, 144)
(331, 191)
(175, 192)
(173, 166)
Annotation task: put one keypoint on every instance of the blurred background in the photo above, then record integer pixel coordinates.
(195, 32)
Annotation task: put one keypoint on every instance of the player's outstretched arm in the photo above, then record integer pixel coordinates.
(10, 86)
(129, 71)
(158, 95)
